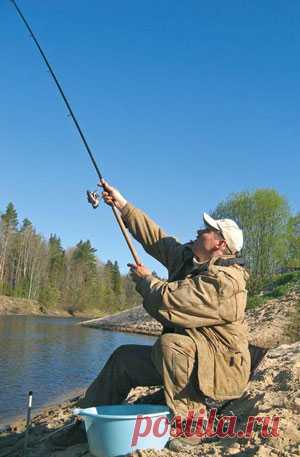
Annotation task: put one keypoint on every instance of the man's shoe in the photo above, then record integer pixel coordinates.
(69, 436)
(183, 443)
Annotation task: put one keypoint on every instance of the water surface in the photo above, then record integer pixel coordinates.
(51, 357)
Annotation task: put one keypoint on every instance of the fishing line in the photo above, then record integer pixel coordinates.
(92, 196)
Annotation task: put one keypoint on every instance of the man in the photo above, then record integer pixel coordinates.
(203, 350)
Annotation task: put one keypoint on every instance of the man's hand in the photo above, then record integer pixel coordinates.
(138, 271)
(112, 196)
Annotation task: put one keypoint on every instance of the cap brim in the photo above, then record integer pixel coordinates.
(208, 220)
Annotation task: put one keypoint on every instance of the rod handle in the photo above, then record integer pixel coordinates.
(124, 231)
(126, 235)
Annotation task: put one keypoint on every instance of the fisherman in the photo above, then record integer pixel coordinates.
(202, 354)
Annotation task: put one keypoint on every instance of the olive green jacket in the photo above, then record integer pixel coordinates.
(208, 304)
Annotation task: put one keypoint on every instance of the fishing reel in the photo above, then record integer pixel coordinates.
(93, 198)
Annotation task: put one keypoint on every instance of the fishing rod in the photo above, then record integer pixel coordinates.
(93, 197)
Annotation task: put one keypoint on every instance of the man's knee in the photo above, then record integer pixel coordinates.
(168, 346)
(122, 354)
(122, 350)
(131, 356)
(169, 342)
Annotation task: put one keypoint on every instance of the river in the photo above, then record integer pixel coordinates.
(52, 357)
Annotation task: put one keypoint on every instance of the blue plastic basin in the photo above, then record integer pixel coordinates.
(116, 430)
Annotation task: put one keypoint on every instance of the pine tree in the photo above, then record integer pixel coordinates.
(84, 254)
(116, 278)
(56, 260)
(25, 224)
(82, 276)
(10, 217)
(9, 225)
(51, 291)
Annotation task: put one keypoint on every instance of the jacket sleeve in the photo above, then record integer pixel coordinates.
(154, 240)
(189, 303)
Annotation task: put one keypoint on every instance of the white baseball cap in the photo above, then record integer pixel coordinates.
(229, 229)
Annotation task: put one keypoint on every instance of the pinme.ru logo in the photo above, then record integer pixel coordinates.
(204, 426)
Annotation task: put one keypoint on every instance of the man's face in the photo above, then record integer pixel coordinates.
(208, 241)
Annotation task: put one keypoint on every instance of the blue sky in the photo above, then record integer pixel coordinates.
(183, 103)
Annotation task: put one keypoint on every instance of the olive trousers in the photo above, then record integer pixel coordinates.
(171, 362)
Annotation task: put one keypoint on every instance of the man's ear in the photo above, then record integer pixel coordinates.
(222, 245)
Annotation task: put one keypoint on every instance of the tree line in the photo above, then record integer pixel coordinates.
(76, 280)
(73, 279)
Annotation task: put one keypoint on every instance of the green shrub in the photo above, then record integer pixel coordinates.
(254, 301)
(278, 291)
(286, 278)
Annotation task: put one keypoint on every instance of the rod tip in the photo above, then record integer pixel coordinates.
(30, 393)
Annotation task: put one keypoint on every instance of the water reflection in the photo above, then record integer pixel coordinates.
(50, 356)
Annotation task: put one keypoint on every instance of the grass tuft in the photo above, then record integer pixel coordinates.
(279, 287)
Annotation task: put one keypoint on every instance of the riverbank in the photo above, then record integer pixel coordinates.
(18, 421)
(133, 320)
(26, 307)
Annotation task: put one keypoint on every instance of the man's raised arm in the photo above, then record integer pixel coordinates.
(153, 239)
